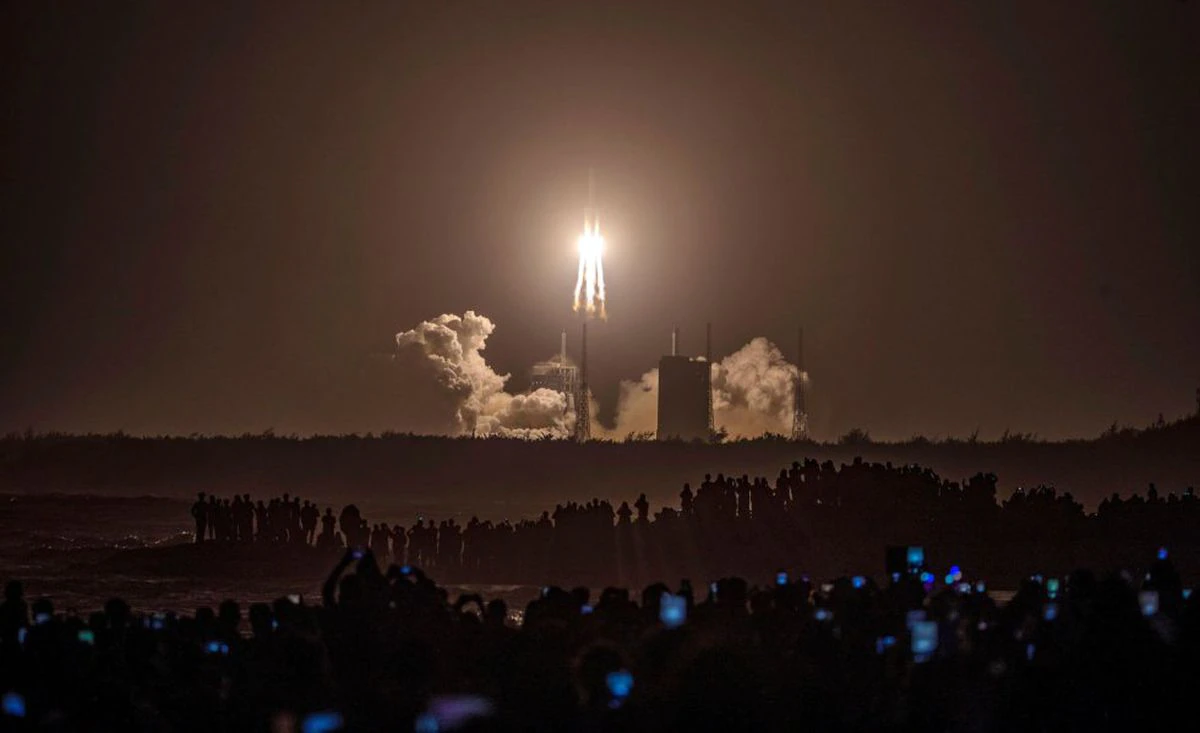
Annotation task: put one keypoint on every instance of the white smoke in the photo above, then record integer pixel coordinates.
(637, 409)
(753, 390)
(442, 385)
(451, 390)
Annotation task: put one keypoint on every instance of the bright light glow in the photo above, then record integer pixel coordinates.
(591, 246)
(589, 284)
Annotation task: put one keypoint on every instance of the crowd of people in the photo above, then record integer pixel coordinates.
(817, 515)
(389, 650)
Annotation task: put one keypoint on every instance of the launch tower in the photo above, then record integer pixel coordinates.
(583, 411)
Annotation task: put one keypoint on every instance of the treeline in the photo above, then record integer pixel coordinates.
(513, 478)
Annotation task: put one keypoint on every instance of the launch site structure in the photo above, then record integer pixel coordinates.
(685, 395)
(583, 410)
(799, 403)
(560, 375)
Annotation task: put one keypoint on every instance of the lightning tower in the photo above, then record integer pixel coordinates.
(708, 358)
(799, 406)
(583, 411)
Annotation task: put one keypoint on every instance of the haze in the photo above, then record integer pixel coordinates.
(984, 214)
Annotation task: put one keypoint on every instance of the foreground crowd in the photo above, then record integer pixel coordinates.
(390, 650)
(825, 517)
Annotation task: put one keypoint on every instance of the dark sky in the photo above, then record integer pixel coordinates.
(984, 215)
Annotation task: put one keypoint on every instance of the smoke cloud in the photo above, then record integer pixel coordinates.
(753, 390)
(451, 390)
(439, 383)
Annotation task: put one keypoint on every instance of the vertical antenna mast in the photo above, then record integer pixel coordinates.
(799, 406)
(708, 372)
(583, 416)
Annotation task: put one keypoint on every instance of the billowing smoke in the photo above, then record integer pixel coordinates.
(437, 382)
(637, 409)
(753, 390)
(450, 389)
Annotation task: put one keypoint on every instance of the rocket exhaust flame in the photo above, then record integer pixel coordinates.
(589, 283)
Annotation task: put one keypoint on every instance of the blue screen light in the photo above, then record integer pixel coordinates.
(322, 722)
(858, 581)
(916, 557)
(672, 610)
(620, 683)
(216, 647)
(13, 704)
(1148, 600)
(924, 640)
(884, 643)
(1162, 553)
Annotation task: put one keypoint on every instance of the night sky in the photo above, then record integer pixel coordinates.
(985, 216)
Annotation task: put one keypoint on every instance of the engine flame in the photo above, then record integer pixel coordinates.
(589, 284)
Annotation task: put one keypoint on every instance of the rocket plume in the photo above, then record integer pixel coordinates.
(589, 283)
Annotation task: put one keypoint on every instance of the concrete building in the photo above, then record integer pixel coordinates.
(684, 396)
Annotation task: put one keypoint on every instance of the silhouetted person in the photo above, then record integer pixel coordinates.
(328, 536)
(349, 521)
(624, 513)
(211, 516)
(200, 514)
(309, 517)
(686, 500)
(399, 542)
(295, 523)
(14, 613)
(235, 520)
(379, 542)
(263, 522)
(246, 528)
(643, 508)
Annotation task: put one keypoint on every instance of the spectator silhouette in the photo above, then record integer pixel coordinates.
(200, 515)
